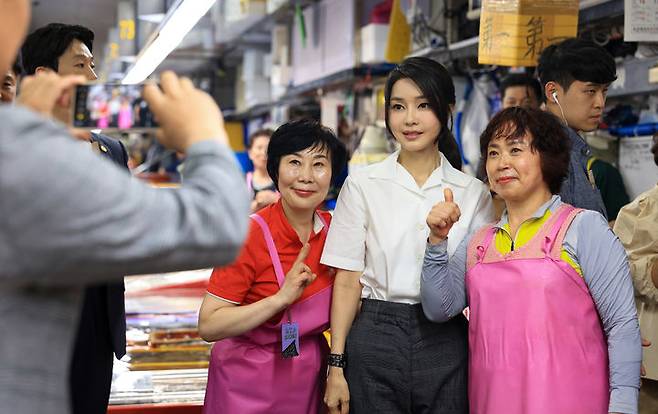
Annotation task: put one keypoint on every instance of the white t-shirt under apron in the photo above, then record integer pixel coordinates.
(379, 225)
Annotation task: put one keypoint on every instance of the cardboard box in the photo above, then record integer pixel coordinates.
(329, 41)
(256, 91)
(514, 32)
(373, 43)
(254, 64)
(236, 10)
(274, 5)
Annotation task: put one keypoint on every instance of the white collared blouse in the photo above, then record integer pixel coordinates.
(379, 225)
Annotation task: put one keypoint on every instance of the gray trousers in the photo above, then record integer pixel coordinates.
(400, 362)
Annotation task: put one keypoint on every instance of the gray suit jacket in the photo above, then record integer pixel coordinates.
(62, 228)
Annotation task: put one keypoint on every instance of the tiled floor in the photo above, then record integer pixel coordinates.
(649, 397)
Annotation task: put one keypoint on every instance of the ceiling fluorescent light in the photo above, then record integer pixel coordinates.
(180, 19)
(152, 18)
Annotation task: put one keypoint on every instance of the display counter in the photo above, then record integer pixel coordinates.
(156, 409)
(165, 367)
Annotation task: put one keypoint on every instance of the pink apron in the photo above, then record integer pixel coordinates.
(247, 373)
(250, 180)
(536, 342)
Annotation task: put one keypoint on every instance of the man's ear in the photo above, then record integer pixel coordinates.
(549, 88)
(43, 69)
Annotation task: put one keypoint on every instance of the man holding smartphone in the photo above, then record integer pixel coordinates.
(68, 220)
(67, 50)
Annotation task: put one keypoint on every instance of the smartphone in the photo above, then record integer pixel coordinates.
(112, 107)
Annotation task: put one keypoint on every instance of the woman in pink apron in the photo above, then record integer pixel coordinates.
(553, 326)
(267, 311)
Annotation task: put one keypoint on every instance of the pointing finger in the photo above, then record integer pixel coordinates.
(303, 254)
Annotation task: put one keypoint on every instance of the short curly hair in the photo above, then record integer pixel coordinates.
(549, 139)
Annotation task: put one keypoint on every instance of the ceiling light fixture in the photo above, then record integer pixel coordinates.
(178, 22)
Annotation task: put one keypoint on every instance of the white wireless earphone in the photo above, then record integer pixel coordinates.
(554, 95)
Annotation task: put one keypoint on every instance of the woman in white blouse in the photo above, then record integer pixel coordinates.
(385, 355)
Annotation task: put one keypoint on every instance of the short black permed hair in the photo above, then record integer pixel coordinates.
(576, 59)
(549, 139)
(46, 45)
(296, 136)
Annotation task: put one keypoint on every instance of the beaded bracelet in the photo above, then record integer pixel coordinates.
(337, 360)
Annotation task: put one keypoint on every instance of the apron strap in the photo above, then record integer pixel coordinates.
(486, 243)
(271, 247)
(479, 245)
(274, 254)
(553, 227)
(559, 239)
(250, 179)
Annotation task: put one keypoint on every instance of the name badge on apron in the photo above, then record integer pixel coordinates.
(289, 339)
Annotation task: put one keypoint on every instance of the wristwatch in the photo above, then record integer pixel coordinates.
(337, 360)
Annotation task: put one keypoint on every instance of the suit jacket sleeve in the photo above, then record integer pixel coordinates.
(116, 150)
(61, 224)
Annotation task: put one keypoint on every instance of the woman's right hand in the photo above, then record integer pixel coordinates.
(442, 217)
(337, 394)
(298, 277)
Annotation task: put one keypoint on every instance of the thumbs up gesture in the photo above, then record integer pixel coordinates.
(298, 277)
(442, 217)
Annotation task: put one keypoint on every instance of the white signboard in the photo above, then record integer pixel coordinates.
(640, 20)
(636, 165)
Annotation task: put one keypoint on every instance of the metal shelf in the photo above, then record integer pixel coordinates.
(590, 12)
(633, 78)
(593, 10)
(297, 94)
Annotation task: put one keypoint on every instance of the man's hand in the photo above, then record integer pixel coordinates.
(442, 217)
(186, 114)
(47, 91)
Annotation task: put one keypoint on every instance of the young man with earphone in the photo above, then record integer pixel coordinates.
(575, 75)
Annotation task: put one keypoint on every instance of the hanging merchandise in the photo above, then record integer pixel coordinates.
(301, 23)
(373, 147)
(473, 115)
(514, 32)
(399, 35)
